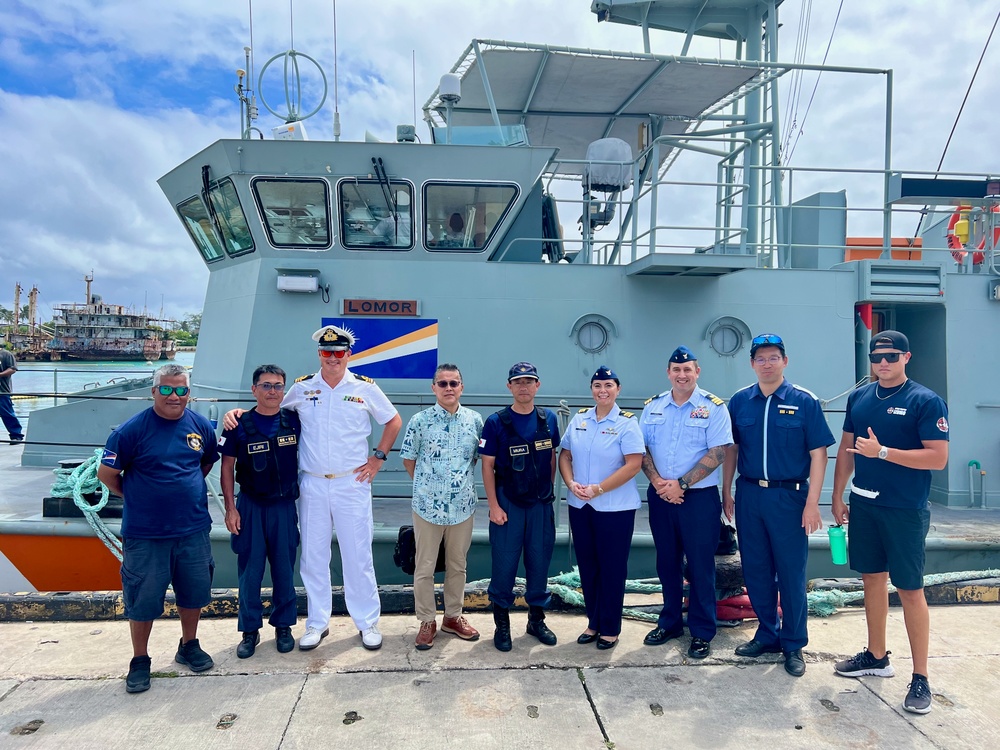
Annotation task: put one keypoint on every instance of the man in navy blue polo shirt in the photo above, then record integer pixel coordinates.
(895, 434)
(518, 451)
(261, 453)
(157, 461)
(780, 437)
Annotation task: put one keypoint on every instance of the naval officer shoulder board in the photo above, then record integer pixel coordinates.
(304, 377)
(362, 377)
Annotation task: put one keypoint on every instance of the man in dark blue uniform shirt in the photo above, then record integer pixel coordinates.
(686, 431)
(519, 463)
(261, 453)
(895, 433)
(780, 437)
(157, 461)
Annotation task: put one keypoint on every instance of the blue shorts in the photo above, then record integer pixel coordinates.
(884, 539)
(150, 565)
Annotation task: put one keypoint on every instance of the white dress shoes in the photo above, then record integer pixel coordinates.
(312, 638)
(371, 638)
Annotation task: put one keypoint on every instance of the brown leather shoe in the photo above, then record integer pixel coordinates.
(459, 626)
(425, 638)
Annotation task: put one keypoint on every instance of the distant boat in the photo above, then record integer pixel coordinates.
(98, 331)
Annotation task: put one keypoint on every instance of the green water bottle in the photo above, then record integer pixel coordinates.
(838, 545)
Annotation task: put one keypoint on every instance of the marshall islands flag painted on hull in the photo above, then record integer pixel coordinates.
(392, 347)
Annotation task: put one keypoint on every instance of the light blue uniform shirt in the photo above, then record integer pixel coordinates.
(445, 447)
(599, 448)
(677, 436)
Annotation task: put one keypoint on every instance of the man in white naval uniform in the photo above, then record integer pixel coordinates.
(335, 407)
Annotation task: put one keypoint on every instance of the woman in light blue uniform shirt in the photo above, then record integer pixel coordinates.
(601, 454)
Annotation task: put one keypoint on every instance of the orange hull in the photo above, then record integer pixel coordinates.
(63, 563)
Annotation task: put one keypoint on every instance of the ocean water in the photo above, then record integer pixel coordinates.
(68, 377)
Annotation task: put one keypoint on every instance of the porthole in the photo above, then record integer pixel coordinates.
(727, 336)
(593, 333)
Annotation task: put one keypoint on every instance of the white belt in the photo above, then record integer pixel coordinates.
(328, 476)
(870, 494)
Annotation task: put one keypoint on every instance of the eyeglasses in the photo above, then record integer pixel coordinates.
(767, 338)
(270, 386)
(338, 353)
(890, 357)
(772, 360)
(448, 383)
(180, 390)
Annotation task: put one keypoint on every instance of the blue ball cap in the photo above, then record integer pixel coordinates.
(681, 355)
(522, 370)
(889, 340)
(604, 373)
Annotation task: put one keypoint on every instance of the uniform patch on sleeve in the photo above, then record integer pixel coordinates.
(222, 441)
(482, 442)
(109, 458)
(942, 424)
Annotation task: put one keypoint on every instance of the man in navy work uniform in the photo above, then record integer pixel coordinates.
(157, 461)
(8, 366)
(261, 453)
(519, 464)
(780, 437)
(895, 433)
(686, 431)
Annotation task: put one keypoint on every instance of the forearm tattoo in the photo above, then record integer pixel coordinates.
(648, 467)
(706, 465)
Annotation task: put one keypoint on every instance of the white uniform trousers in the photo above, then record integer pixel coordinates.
(343, 505)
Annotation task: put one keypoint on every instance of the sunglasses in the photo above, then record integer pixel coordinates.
(180, 390)
(767, 338)
(338, 353)
(889, 357)
(270, 386)
(448, 383)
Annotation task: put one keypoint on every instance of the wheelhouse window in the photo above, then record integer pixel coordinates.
(199, 227)
(230, 219)
(295, 212)
(464, 216)
(376, 215)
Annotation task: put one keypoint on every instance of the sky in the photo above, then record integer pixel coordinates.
(100, 98)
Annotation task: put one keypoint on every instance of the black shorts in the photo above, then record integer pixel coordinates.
(150, 565)
(882, 539)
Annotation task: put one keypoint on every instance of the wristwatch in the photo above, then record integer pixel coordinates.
(379, 455)
(683, 485)
(883, 452)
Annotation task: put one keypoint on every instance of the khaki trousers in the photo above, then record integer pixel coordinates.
(457, 540)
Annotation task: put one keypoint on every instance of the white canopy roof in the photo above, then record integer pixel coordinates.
(567, 98)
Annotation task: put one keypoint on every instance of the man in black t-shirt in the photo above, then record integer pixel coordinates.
(895, 433)
(261, 454)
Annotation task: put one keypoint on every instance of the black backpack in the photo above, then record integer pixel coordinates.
(406, 552)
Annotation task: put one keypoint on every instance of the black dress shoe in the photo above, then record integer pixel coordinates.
(795, 665)
(755, 648)
(248, 645)
(283, 640)
(604, 645)
(541, 631)
(699, 648)
(586, 638)
(659, 636)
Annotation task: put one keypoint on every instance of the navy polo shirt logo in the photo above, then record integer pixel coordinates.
(942, 424)
(194, 441)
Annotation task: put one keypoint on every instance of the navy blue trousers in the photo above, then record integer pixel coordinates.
(690, 530)
(602, 541)
(268, 534)
(10, 420)
(529, 530)
(774, 548)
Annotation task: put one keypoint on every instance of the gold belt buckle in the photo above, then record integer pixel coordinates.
(763, 482)
(329, 476)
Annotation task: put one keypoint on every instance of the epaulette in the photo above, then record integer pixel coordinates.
(805, 390)
(714, 399)
(649, 400)
(304, 377)
(584, 410)
(362, 377)
(628, 414)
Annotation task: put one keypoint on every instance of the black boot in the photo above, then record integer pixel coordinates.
(538, 628)
(501, 638)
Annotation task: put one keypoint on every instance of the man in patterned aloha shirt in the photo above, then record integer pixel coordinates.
(439, 451)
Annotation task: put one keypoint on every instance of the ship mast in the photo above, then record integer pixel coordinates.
(88, 278)
(17, 308)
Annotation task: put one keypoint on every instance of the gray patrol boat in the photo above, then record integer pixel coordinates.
(573, 208)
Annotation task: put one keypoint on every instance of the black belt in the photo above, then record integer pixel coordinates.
(775, 483)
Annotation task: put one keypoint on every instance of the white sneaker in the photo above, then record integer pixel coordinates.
(371, 638)
(312, 638)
